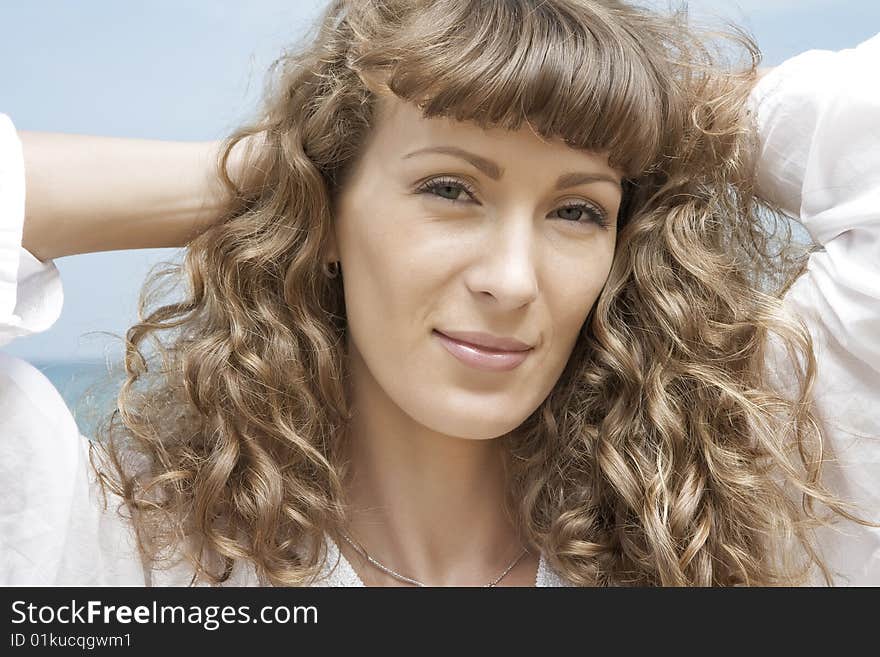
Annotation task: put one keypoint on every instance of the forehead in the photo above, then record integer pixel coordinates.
(400, 128)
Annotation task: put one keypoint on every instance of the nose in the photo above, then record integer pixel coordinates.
(505, 271)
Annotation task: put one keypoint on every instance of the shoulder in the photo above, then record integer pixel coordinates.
(45, 507)
(57, 529)
(36, 421)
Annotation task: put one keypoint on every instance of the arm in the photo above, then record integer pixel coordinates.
(55, 530)
(817, 120)
(87, 194)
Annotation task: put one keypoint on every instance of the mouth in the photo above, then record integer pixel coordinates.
(482, 357)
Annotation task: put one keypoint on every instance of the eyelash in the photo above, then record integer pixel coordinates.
(597, 216)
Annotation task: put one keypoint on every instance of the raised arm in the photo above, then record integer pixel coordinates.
(817, 118)
(87, 194)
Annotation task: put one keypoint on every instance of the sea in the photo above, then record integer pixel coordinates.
(89, 389)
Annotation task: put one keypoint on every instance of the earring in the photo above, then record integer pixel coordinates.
(331, 269)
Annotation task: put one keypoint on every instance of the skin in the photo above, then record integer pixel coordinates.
(427, 483)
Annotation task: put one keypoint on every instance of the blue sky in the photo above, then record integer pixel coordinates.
(194, 69)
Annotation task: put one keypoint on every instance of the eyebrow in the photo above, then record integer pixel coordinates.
(491, 169)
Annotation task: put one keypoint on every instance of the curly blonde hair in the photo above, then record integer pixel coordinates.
(663, 455)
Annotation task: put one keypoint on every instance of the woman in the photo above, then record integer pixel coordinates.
(491, 300)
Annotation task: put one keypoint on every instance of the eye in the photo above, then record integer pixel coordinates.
(450, 188)
(442, 186)
(576, 212)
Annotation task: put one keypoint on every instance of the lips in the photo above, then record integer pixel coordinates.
(486, 341)
(483, 357)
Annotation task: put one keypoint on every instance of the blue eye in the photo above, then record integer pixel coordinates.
(438, 186)
(595, 215)
(450, 189)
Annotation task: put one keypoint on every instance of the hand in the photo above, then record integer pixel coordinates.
(242, 157)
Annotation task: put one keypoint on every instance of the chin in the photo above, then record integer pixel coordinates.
(477, 424)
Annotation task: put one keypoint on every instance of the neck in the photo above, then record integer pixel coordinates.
(427, 505)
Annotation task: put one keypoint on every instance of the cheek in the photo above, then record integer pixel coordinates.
(573, 293)
(389, 275)
(570, 298)
(375, 292)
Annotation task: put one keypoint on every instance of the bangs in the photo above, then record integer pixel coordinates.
(573, 71)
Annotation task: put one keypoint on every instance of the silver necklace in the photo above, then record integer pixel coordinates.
(410, 580)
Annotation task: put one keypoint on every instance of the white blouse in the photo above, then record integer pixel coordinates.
(819, 123)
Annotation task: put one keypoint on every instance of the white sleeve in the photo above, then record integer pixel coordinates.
(30, 291)
(54, 528)
(819, 122)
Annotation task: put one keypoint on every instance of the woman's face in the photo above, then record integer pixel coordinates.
(500, 234)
